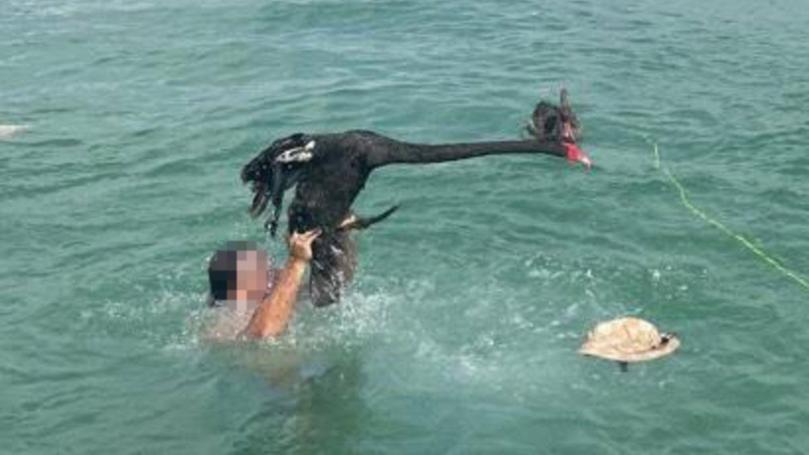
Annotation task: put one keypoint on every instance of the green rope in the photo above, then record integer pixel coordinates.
(741, 239)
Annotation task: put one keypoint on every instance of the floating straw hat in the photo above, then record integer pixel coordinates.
(628, 340)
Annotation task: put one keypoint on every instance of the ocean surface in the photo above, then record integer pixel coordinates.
(460, 333)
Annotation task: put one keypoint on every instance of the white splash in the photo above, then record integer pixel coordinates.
(8, 131)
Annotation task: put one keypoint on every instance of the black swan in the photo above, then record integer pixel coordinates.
(331, 169)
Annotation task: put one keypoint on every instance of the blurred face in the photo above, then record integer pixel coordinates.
(251, 276)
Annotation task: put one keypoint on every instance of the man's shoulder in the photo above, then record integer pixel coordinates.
(227, 320)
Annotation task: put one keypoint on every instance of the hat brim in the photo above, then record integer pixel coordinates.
(612, 353)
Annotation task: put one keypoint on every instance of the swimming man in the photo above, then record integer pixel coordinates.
(256, 301)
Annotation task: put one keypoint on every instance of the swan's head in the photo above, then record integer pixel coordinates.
(550, 122)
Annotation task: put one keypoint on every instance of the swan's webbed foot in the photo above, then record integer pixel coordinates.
(359, 223)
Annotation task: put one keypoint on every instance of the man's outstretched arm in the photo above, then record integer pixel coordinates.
(275, 311)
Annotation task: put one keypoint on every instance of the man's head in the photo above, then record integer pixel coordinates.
(238, 272)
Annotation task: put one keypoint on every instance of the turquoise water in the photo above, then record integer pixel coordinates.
(460, 333)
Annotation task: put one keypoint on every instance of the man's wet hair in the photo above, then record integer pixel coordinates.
(222, 269)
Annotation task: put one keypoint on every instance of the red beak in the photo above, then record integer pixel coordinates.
(577, 155)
